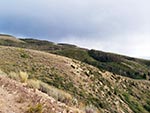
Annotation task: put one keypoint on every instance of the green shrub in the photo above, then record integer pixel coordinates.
(133, 104)
(147, 105)
(24, 55)
(35, 109)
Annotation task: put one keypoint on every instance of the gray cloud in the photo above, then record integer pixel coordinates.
(121, 26)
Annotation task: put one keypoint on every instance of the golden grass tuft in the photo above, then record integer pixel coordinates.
(21, 76)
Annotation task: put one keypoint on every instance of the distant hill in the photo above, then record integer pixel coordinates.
(5, 39)
(117, 64)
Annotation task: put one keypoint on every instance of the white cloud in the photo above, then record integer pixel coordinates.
(135, 45)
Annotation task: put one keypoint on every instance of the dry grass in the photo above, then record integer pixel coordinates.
(33, 83)
(2, 73)
(21, 76)
(90, 109)
(58, 94)
(14, 76)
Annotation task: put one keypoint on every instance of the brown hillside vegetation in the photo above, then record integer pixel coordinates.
(118, 64)
(75, 83)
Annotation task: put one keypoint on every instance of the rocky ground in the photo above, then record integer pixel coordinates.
(15, 97)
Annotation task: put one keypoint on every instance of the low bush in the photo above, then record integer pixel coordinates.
(35, 109)
(133, 104)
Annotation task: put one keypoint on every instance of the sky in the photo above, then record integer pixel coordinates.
(119, 26)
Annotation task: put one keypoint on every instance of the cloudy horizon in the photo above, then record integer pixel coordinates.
(119, 26)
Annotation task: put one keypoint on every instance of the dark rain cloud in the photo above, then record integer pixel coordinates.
(111, 25)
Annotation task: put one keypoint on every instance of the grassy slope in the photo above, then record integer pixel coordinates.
(89, 85)
(118, 64)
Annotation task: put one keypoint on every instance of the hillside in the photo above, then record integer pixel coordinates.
(75, 83)
(117, 64)
(16, 97)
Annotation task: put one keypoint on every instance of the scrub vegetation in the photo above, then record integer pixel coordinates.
(112, 83)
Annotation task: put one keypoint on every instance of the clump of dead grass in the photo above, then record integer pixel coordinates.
(58, 94)
(21, 76)
(33, 83)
